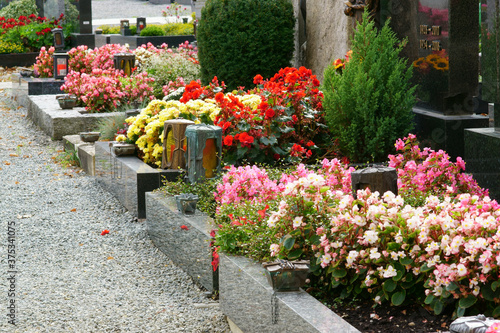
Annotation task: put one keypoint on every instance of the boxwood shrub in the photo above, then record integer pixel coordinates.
(239, 39)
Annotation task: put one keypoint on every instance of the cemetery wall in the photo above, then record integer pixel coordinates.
(328, 30)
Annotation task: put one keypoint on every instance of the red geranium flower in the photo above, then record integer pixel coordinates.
(257, 79)
(228, 140)
(270, 113)
(245, 139)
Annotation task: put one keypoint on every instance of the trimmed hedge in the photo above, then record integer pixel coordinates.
(238, 39)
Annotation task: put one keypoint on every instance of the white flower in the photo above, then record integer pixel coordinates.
(374, 254)
(389, 272)
(351, 257)
(297, 221)
(275, 248)
(359, 220)
(399, 237)
(325, 259)
(371, 236)
(461, 270)
(271, 223)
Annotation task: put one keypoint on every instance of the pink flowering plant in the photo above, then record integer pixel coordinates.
(44, 65)
(425, 172)
(441, 250)
(107, 90)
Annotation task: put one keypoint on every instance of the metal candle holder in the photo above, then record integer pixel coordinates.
(186, 203)
(284, 275)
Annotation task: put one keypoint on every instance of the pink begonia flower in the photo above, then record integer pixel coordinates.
(495, 327)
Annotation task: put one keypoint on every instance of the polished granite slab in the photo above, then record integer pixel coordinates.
(36, 86)
(482, 157)
(127, 178)
(446, 132)
(184, 239)
(245, 297)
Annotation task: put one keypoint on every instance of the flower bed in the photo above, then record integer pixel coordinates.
(100, 87)
(434, 244)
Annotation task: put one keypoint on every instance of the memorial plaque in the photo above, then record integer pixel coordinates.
(443, 48)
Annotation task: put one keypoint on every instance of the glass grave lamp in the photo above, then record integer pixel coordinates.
(140, 24)
(60, 65)
(174, 143)
(125, 62)
(58, 35)
(204, 151)
(125, 28)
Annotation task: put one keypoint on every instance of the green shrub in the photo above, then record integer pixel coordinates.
(109, 30)
(368, 105)
(166, 67)
(19, 7)
(178, 29)
(239, 39)
(11, 47)
(108, 127)
(152, 30)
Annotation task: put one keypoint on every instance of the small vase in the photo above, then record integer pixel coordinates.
(123, 149)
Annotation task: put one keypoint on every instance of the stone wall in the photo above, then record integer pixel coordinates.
(328, 30)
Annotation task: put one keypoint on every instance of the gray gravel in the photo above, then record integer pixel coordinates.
(70, 278)
(106, 9)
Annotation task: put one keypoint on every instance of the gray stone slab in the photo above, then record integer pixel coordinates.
(245, 297)
(187, 248)
(45, 112)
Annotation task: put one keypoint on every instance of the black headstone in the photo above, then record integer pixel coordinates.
(443, 47)
(85, 16)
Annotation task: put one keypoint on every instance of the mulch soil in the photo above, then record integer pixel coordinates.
(388, 319)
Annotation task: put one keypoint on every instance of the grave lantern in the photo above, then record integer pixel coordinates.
(60, 65)
(204, 150)
(124, 62)
(125, 28)
(174, 143)
(141, 24)
(58, 35)
(284, 275)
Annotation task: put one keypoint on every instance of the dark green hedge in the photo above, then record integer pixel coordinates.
(238, 39)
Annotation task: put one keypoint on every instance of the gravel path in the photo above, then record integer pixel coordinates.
(70, 278)
(106, 9)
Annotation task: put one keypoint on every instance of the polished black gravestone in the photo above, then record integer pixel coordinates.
(482, 146)
(128, 178)
(443, 49)
(85, 36)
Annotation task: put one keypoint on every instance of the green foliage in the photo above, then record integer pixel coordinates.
(108, 127)
(152, 30)
(239, 39)
(109, 30)
(68, 158)
(369, 104)
(205, 192)
(178, 29)
(166, 67)
(19, 7)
